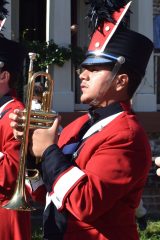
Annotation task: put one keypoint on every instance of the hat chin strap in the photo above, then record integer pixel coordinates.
(111, 77)
(2, 23)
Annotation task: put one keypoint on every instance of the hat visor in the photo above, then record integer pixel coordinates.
(99, 59)
(96, 61)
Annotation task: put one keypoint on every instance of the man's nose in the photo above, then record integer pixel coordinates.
(84, 75)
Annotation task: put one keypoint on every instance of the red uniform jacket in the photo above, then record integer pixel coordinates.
(13, 224)
(102, 188)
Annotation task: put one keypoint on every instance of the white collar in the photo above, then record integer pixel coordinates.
(100, 125)
(4, 105)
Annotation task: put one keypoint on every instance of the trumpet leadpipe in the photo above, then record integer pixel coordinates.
(51, 114)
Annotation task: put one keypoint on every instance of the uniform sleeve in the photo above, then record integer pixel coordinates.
(9, 153)
(9, 160)
(110, 174)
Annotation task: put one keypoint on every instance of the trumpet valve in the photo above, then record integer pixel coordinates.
(41, 119)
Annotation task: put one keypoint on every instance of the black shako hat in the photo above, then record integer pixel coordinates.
(112, 40)
(12, 54)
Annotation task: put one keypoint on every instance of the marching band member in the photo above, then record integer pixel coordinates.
(14, 225)
(95, 173)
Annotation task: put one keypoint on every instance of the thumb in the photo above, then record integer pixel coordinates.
(55, 125)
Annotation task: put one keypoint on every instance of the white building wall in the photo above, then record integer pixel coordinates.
(142, 21)
(58, 29)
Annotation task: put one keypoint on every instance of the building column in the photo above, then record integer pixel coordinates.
(7, 26)
(58, 29)
(142, 22)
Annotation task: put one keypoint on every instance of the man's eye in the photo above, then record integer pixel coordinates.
(79, 71)
(94, 70)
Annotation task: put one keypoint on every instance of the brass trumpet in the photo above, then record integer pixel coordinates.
(33, 119)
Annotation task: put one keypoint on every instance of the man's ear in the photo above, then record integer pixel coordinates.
(4, 77)
(121, 82)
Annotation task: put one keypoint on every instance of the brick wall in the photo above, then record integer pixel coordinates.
(151, 195)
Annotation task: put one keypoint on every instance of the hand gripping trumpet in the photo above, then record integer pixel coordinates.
(33, 119)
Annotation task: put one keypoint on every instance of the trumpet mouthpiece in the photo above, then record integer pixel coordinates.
(32, 56)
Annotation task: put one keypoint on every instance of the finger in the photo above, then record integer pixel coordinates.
(18, 112)
(13, 116)
(18, 135)
(19, 119)
(55, 124)
(16, 126)
(157, 161)
(20, 115)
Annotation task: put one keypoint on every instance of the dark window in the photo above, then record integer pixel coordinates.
(73, 21)
(74, 44)
(32, 22)
(32, 26)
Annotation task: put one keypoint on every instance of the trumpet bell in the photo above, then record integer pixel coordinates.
(33, 119)
(19, 203)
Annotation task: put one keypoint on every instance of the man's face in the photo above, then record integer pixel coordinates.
(95, 85)
(4, 82)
